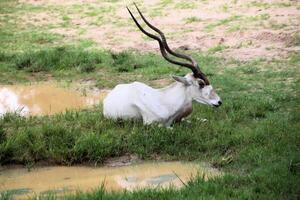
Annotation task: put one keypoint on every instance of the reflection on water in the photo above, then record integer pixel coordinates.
(69, 179)
(43, 99)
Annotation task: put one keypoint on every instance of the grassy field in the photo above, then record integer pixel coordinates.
(253, 137)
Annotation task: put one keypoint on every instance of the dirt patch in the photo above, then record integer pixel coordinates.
(273, 37)
(41, 19)
(70, 33)
(247, 29)
(253, 53)
(258, 44)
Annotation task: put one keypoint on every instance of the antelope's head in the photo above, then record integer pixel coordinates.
(196, 83)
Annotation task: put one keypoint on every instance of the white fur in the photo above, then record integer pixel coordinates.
(137, 100)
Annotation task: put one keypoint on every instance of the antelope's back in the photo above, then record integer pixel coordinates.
(121, 101)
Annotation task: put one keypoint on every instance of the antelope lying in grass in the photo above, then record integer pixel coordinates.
(167, 105)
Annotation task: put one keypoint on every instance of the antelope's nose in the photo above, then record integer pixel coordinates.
(219, 103)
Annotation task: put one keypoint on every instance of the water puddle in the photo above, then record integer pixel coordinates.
(43, 99)
(62, 180)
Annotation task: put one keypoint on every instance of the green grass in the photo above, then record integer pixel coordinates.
(74, 62)
(224, 8)
(217, 48)
(259, 4)
(189, 5)
(295, 41)
(238, 22)
(222, 22)
(189, 20)
(277, 26)
(55, 59)
(266, 5)
(160, 8)
(165, 2)
(253, 136)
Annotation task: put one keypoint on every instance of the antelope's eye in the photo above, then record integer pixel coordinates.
(201, 84)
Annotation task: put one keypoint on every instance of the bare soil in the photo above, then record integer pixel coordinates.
(243, 29)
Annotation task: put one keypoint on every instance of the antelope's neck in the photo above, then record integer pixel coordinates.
(175, 97)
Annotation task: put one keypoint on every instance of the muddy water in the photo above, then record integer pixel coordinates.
(43, 99)
(62, 180)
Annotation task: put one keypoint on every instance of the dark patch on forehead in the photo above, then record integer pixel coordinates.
(203, 78)
(206, 81)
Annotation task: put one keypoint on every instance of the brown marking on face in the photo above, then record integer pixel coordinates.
(213, 94)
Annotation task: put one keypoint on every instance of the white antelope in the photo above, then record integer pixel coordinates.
(167, 105)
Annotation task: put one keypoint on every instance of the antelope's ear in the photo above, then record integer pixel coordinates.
(182, 80)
